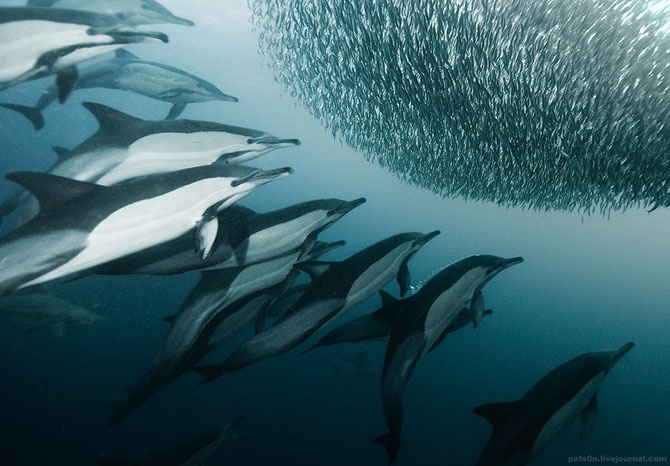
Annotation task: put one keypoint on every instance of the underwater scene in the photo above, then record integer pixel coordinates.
(334, 232)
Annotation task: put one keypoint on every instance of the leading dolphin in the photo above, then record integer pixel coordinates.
(522, 428)
(132, 12)
(241, 239)
(336, 287)
(82, 225)
(36, 42)
(125, 148)
(127, 72)
(421, 320)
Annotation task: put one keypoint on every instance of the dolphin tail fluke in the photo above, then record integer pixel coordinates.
(309, 349)
(119, 411)
(391, 443)
(31, 113)
(210, 372)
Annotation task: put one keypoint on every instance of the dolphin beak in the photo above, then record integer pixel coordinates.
(260, 177)
(180, 21)
(226, 98)
(427, 237)
(618, 354)
(504, 264)
(287, 142)
(510, 262)
(347, 207)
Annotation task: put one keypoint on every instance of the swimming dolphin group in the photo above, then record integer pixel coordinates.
(161, 197)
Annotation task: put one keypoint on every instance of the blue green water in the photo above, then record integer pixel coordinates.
(587, 283)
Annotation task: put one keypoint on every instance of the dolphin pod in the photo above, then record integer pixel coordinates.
(161, 197)
(125, 148)
(82, 225)
(336, 287)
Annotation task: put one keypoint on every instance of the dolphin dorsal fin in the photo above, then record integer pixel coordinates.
(126, 55)
(52, 190)
(387, 299)
(497, 413)
(110, 119)
(61, 152)
(313, 268)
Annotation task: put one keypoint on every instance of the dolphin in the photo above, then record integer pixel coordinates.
(37, 42)
(241, 240)
(127, 72)
(125, 148)
(194, 451)
(522, 428)
(222, 304)
(131, 12)
(82, 225)
(43, 310)
(336, 287)
(420, 321)
(377, 325)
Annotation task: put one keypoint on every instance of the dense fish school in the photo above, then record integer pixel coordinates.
(543, 104)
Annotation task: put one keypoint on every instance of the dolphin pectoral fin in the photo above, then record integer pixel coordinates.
(403, 279)
(313, 268)
(307, 245)
(61, 152)
(65, 80)
(52, 190)
(477, 307)
(58, 329)
(125, 55)
(175, 111)
(206, 234)
(589, 415)
(497, 413)
(31, 113)
(170, 319)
